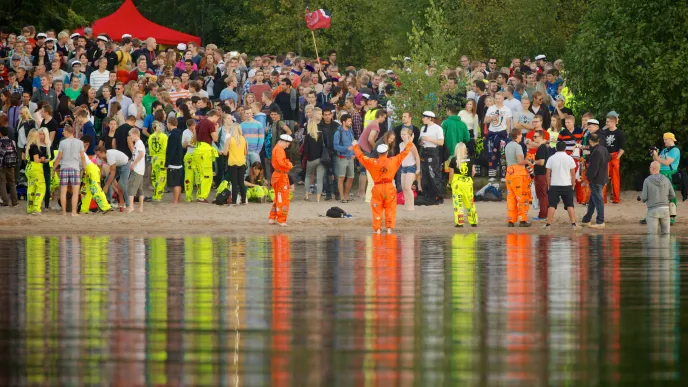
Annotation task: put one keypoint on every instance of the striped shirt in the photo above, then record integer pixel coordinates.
(570, 138)
(181, 93)
(254, 134)
(98, 79)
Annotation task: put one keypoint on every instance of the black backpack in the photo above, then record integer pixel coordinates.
(8, 153)
(335, 212)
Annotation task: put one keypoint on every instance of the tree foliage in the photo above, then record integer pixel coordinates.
(430, 44)
(42, 14)
(630, 56)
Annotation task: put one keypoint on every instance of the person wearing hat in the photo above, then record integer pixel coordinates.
(280, 181)
(597, 174)
(382, 170)
(431, 143)
(97, 51)
(540, 62)
(76, 73)
(615, 143)
(669, 159)
(50, 48)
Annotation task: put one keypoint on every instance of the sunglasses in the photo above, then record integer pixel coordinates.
(493, 62)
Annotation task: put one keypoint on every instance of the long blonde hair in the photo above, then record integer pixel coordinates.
(235, 132)
(31, 139)
(45, 132)
(312, 129)
(25, 114)
(460, 153)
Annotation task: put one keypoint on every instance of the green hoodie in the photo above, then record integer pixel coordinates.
(455, 131)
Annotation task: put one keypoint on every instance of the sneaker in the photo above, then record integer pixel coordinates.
(538, 219)
(597, 225)
(510, 225)
(547, 227)
(524, 224)
(282, 224)
(474, 225)
(585, 224)
(55, 207)
(202, 201)
(672, 221)
(458, 225)
(272, 221)
(643, 221)
(147, 199)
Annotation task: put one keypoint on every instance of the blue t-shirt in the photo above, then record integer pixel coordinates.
(227, 94)
(88, 129)
(672, 153)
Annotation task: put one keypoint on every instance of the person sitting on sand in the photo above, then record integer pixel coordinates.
(256, 191)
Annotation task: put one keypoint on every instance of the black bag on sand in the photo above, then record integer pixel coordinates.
(335, 212)
(224, 196)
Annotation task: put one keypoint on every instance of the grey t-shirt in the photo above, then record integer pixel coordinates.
(512, 150)
(71, 149)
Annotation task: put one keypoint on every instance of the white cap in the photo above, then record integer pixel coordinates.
(252, 73)
(593, 121)
(390, 72)
(75, 62)
(365, 95)
(540, 57)
(428, 113)
(103, 38)
(51, 40)
(41, 35)
(74, 35)
(286, 137)
(232, 54)
(181, 47)
(382, 148)
(126, 36)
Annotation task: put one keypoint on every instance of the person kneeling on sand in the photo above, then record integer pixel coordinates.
(657, 194)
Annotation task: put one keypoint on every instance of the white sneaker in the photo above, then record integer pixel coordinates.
(56, 207)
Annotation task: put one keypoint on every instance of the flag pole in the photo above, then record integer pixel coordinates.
(316, 47)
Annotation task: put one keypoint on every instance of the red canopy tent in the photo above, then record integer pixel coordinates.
(128, 20)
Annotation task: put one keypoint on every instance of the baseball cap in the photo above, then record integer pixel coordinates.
(287, 62)
(670, 136)
(88, 30)
(613, 114)
(41, 35)
(365, 95)
(429, 114)
(16, 57)
(373, 97)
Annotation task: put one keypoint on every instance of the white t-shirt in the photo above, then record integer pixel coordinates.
(133, 111)
(139, 149)
(186, 137)
(515, 106)
(433, 132)
(498, 124)
(116, 157)
(561, 165)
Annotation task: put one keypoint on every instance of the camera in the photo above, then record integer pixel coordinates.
(652, 150)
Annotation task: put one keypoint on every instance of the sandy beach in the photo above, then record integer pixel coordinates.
(306, 217)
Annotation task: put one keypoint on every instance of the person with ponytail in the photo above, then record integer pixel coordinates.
(461, 170)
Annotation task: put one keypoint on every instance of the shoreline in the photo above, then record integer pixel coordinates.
(304, 218)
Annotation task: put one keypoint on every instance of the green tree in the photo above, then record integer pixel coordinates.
(431, 50)
(42, 14)
(630, 56)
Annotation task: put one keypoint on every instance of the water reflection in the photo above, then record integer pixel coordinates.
(373, 310)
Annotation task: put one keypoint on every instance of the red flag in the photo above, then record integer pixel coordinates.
(317, 19)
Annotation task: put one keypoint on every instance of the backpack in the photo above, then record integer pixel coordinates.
(8, 153)
(335, 212)
(224, 194)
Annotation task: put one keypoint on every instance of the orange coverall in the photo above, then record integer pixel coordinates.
(614, 179)
(280, 183)
(517, 193)
(383, 169)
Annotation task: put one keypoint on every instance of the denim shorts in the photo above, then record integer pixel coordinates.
(410, 169)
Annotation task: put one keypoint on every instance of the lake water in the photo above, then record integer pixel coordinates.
(368, 310)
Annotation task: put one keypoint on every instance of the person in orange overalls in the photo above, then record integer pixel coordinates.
(615, 142)
(280, 182)
(382, 170)
(517, 181)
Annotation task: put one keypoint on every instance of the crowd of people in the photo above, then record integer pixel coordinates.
(87, 117)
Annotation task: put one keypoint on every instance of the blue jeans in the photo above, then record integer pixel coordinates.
(595, 203)
(251, 157)
(123, 176)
